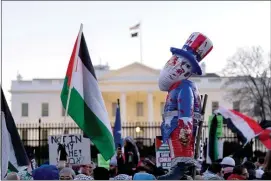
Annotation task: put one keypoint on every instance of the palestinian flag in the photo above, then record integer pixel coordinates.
(13, 151)
(245, 127)
(86, 105)
(215, 141)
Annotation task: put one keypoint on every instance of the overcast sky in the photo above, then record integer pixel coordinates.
(38, 37)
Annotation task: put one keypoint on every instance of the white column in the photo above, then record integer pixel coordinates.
(150, 107)
(123, 107)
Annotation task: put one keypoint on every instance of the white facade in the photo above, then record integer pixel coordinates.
(140, 78)
(132, 78)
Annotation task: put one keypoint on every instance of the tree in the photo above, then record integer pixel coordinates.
(249, 81)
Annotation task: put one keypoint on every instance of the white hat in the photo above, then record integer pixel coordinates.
(259, 173)
(228, 161)
(113, 161)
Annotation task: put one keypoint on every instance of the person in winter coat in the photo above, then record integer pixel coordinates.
(266, 176)
(127, 164)
(143, 176)
(239, 173)
(101, 173)
(267, 162)
(46, 172)
(213, 172)
(12, 176)
(251, 168)
(227, 164)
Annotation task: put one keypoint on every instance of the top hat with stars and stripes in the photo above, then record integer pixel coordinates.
(195, 49)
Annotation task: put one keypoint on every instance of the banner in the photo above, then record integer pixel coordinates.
(77, 148)
(219, 131)
(102, 162)
(162, 153)
(215, 138)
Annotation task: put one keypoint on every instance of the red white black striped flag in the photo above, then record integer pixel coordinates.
(245, 127)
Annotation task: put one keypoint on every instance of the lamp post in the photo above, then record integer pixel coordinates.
(137, 129)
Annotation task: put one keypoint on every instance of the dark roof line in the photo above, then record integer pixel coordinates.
(207, 75)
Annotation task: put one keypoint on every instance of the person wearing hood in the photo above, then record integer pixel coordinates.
(127, 164)
(113, 167)
(101, 173)
(260, 163)
(239, 173)
(214, 172)
(12, 176)
(143, 176)
(66, 174)
(227, 164)
(258, 174)
(251, 168)
(46, 172)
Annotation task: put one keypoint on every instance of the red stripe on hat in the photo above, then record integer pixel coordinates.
(197, 42)
(207, 52)
(252, 123)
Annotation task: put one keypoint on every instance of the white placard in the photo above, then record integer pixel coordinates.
(163, 157)
(77, 148)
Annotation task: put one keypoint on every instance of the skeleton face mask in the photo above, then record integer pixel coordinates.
(176, 69)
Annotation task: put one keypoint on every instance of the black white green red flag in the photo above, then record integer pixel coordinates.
(246, 127)
(86, 105)
(13, 151)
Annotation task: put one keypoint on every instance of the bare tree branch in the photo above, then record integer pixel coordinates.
(249, 78)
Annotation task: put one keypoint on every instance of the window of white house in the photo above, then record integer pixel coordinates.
(215, 105)
(24, 109)
(236, 106)
(114, 108)
(139, 109)
(44, 109)
(162, 106)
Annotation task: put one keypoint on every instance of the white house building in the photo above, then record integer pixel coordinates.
(40, 98)
(135, 85)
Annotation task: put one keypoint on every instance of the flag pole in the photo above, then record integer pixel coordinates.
(73, 70)
(140, 41)
(118, 100)
(70, 88)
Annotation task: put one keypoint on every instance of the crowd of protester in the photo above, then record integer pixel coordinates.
(128, 165)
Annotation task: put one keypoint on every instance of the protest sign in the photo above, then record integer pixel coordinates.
(102, 162)
(77, 148)
(162, 153)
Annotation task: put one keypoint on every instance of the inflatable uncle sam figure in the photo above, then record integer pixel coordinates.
(182, 108)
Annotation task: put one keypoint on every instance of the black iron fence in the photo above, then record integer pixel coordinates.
(35, 136)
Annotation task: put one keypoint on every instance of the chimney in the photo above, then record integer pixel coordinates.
(19, 77)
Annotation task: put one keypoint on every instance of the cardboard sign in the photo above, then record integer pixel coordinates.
(163, 157)
(77, 148)
(102, 162)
